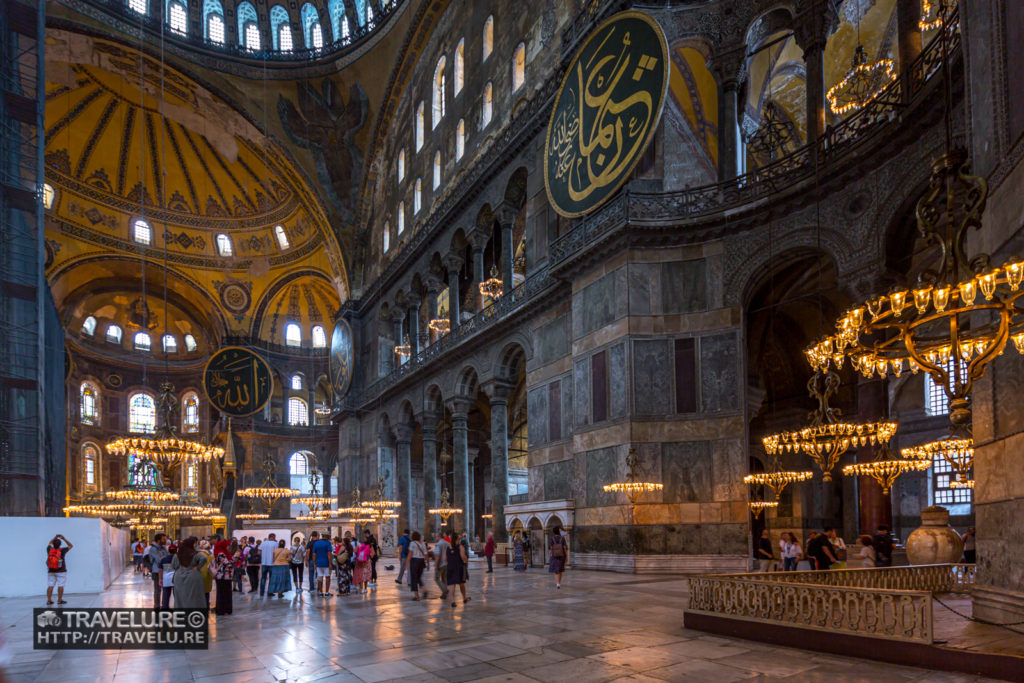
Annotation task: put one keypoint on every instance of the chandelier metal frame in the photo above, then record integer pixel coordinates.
(269, 493)
(957, 451)
(633, 487)
(885, 469)
(493, 287)
(862, 83)
(446, 510)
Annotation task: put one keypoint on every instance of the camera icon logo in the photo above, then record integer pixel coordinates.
(48, 618)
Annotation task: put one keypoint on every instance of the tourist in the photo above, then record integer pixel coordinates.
(343, 565)
(280, 574)
(156, 552)
(223, 573)
(464, 540)
(558, 550)
(417, 563)
(252, 564)
(820, 548)
(188, 579)
(297, 562)
(763, 552)
(403, 557)
(458, 558)
(57, 568)
(237, 563)
(489, 553)
(441, 563)
(527, 548)
(518, 553)
(882, 540)
(789, 549)
(321, 549)
(206, 571)
(137, 551)
(166, 574)
(372, 540)
(838, 549)
(970, 549)
(866, 555)
(363, 571)
(267, 550)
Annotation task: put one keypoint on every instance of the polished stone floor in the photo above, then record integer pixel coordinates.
(598, 627)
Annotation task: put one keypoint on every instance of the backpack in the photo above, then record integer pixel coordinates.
(558, 548)
(53, 558)
(254, 556)
(363, 554)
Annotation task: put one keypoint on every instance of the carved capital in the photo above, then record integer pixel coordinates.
(459, 408)
(434, 284)
(498, 391)
(403, 433)
(478, 240)
(506, 213)
(729, 67)
(816, 20)
(412, 302)
(453, 262)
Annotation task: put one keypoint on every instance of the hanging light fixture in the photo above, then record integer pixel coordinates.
(958, 452)
(826, 438)
(380, 507)
(492, 287)
(250, 516)
(776, 478)
(439, 325)
(862, 82)
(269, 493)
(934, 13)
(404, 350)
(759, 506)
(446, 510)
(634, 486)
(885, 469)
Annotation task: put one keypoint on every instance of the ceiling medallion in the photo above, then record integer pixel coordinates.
(861, 84)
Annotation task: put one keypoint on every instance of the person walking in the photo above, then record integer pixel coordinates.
(441, 563)
(322, 549)
(820, 548)
(223, 573)
(188, 579)
(789, 550)
(527, 551)
(280, 576)
(558, 551)
(882, 541)
(56, 568)
(297, 562)
(237, 563)
(372, 540)
(458, 558)
(764, 554)
(403, 556)
(206, 571)
(518, 553)
(137, 551)
(363, 571)
(166, 573)
(252, 564)
(343, 565)
(489, 553)
(970, 546)
(267, 549)
(156, 552)
(417, 563)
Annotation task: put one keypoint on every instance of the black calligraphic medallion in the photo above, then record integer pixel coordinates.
(341, 358)
(606, 112)
(237, 381)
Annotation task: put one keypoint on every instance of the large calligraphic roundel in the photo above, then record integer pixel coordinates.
(237, 381)
(606, 112)
(341, 358)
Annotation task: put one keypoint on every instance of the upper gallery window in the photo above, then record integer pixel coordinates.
(298, 414)
(191, 477)
(460, 66)
(312, 35)
(114, 334)
(460, 139)
(296, 382)
(339, 24)
(141, 232)
(177, 16)
(248, 30)
(280, 29)
(141, 414)
(190, 343)
(190, 413)
(224, 245)
(319, 337)
(488, 37)
(387, 237)
(282, 237)
(48, 196)
(437, 98)
(170, 344)
(292, 335)
(935, 400)
(401, 164)
(298, 465)
(369, 15)
(284, 38)
(89, 326)
(488, 103)
(417, 196)
(90, 454)
(89, 398)
(519, 67)
(142, 342)
(437, 169)
(140, 6)
(419, 126)
(213, 21)
(401, 218)
(252, 36)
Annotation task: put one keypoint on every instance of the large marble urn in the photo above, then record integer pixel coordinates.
(935, 542)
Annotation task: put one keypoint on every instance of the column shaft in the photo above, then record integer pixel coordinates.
(507, 258)
(814, 59)
(414, 329)
(460, 465)
(908, 18)
(453, 299)
(404, 480)
(430, 496)
(729, 131)
(499, 467)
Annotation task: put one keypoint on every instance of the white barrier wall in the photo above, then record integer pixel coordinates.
(99, 555)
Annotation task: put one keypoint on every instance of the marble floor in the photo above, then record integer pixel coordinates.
(598, 627)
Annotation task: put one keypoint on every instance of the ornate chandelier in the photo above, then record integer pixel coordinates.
(492, 287)
(440, 325)
(934, 13)
(885, 469)
(404, 350)
(826, 438)
(773, 134)
(958, 452)
(269, 493)
(777, 479)
(322, 409)
(446, 510)
(252, 515)
(633, 487)
(319, 505)
(861, 84)
(759, 506)
(380, 508)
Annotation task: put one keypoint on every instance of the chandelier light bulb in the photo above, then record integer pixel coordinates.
(898, 301)
(922, 298)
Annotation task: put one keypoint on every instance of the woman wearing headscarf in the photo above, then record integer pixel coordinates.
(188, 582)
(518, 555)
(223, 573)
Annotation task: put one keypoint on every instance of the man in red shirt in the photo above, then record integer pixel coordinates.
(489, 553)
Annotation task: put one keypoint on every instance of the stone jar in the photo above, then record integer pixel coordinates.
(934, 542)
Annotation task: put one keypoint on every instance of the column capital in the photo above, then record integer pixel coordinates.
(434, 284)
(398, 314)
(412, 302)
(729, 67)
(403, 433)
(453, 262)
(428, 423)
(506, 213)
(478, 240)
(459, 407)
(815, 21)
(498, 391)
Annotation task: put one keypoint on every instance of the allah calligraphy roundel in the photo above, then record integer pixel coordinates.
(237, 381)
(606, 112)
(341, 358)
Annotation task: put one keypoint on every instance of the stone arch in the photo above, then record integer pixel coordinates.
(466, 382)
(406, 414)
(515, 188)
(511, 358)
(768, 22)
(433, 400)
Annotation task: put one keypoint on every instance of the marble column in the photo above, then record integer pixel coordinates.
(460, 461)
(433, 289)
(471, 515)
(507, 257)
(499, 459)
(403, 474)
(908, 19)
(728, 70)
(414, 325)
(811, 31)
(398, 322)
(453, 264)
(430, 495)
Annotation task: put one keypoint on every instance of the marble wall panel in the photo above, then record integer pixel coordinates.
(537, 416)
(556, 480)
(649, 457)
(581, 393)
(1008, 387)
(684, 286)
(642, 287)
(552, 340)
(687, 471)
(602, 468)
(578, 479)
(730, 464)
(617, 381)
(567, 406)
(719, 373)
(682, 539)
(536, 483)
(652, 377)
(599, 304)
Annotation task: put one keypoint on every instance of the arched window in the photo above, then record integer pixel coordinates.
(170, 344)
(488, 37)
(191, 477)
(190, 343)
(90, 456)
(292, 335)
(488, 103)
(213, 21)
(282, 237)
(296, 382)
(141, 232)
(417, 196)
(48, 196)
(419, 126)
(190, 413)
(401, 218)
(319, 337)
(460, 66)
(437, 98)
(139, 6)
(280, 29)
(312, 34)
(401, 164)
(386, 244)
(298, 415)
(224, 245)
(248, 29)
(460, 139)
(298, 464)
(141, 414)
(177, 16)
(437, 169)
(369, 15)
(89, 326)
(519, 67)
(113, 334)
(339, 24)
(142, 342)
(88, 404)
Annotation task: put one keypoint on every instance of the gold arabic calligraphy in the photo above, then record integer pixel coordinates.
(232, 385)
